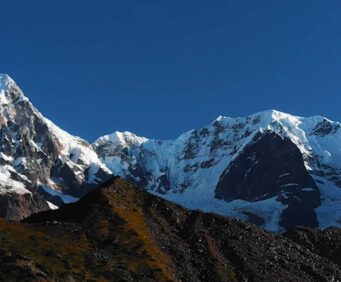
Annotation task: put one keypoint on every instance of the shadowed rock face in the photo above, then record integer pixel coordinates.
(272, 166)
(14, 206)
(324, 128)
(121, 231)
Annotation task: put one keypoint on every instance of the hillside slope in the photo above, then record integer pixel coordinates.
(120, 232)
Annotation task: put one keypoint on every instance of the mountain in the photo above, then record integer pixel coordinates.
(270, 168)
(38, 160)
(121, 232)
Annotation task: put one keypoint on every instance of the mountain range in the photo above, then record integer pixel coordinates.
(270, 168)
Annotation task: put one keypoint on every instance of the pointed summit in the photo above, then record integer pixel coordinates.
(5, 81)
(40, 156)
(10, 91)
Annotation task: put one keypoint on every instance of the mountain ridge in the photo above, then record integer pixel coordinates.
(269, 113)
(53, 167)
(164, 167)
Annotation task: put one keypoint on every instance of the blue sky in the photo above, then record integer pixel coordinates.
(159, 68)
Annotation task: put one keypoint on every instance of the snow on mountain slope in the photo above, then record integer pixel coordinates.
(35, 153)
(271, 168)
(188, 169)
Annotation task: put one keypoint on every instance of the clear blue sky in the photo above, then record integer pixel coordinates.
(159, 68)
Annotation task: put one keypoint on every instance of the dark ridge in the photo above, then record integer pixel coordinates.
(121, 231)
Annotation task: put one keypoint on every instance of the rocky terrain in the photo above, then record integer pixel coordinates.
(119, 232)
(326, 243)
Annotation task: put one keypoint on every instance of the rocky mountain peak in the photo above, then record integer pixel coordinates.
(39, 157)
(10, 93)
(5, 81)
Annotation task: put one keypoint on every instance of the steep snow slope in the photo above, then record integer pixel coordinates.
(188, 169)
(35, 153)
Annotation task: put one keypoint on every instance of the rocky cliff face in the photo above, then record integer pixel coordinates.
(272, 166)
(37, 158)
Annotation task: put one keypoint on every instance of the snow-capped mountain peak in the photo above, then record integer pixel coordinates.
(124, 138)
(9, 91)
(5, 81)
(189, 169)
(40, 156)
(275, 169)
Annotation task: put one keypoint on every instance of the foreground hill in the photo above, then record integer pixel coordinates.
(120, 232)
